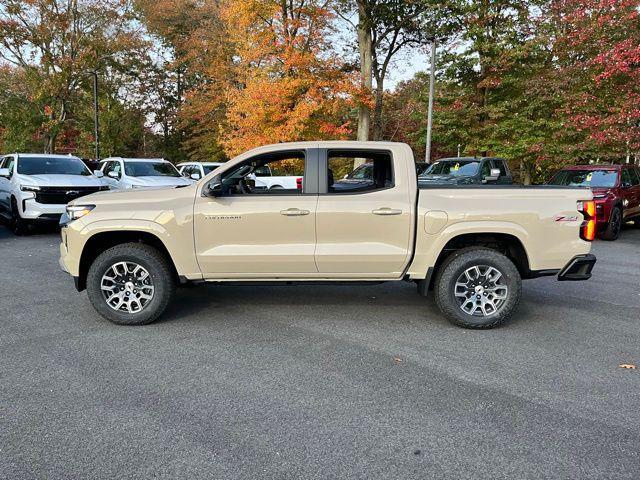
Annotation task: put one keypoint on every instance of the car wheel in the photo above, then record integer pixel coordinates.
(19, 226)
(612, 232)
(131, 284)
(478, 288)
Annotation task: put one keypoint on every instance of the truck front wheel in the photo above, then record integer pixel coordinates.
(478, 288)
(130, 284)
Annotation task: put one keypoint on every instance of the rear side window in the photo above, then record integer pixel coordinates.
(356, 171)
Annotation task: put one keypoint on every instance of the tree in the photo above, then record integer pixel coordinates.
(56, 43)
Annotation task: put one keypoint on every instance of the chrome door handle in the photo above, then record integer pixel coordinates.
(386, 211)
(294, 212)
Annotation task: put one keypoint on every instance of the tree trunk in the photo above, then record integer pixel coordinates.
(366, 62)
(377, 113)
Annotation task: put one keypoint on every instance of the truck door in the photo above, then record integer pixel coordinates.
(634, 191)
(364, 224)
(251, 232)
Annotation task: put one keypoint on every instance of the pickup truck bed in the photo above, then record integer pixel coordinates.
(471, 244)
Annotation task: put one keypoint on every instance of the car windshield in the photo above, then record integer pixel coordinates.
(150, 169)
(363, 172)
(585, 178)
(52, 166)
(454, 168)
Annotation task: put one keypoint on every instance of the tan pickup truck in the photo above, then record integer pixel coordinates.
(471, 245)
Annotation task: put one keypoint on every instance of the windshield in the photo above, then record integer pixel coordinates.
(363, 172)
(585, 178)
(150, 169)
(52, 166)
(457, 168)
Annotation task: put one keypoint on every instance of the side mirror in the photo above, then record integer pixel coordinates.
(346, 175)
(195, 176)
(113, 174)
(4, 172)
(98, 173)
(494, 175)
(214, 187)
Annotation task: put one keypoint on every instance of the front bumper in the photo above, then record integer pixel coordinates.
(32, 210)
(578, 268)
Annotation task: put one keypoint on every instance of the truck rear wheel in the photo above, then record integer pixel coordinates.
(478, 288)
(130, 284)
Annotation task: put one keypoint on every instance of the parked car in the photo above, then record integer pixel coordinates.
(197, 170)
(467, 171)
(266, 180)
(616, 191)
(472, 245)
(37, 187)
(421, 167)
(124, 173)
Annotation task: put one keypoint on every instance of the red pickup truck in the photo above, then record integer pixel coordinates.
(616, 190)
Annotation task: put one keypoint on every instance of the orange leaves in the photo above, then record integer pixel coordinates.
(286, 84)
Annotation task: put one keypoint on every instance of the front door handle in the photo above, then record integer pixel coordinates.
(386, 211)
(294, 212)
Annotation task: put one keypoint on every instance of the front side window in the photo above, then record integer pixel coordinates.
(52, 166)
(626, 178)
(150, 169)
(8, 164)
(453, 168)
(352, 171)
(499, 164)
(286, 175)
(585, 178)
(635, 176)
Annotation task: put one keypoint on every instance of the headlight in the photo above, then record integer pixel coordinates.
(75, 212)
(29, 188)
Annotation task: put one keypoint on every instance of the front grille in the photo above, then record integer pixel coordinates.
(62, 195)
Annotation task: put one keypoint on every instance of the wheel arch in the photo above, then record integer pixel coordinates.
(507, 244)
(102, 241)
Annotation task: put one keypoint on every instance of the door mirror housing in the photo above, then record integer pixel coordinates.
(195, 176)
(493, 176)
(114, 175)
(5, 173)
(98, 173)
(214, 188)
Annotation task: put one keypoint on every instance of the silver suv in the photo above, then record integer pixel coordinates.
(37, 187)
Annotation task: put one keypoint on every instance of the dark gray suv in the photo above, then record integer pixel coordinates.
(467, 171)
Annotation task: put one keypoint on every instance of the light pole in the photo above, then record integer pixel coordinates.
(96, 130)
(432, 82)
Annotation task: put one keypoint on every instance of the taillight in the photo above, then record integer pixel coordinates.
(588, 227)
(299, 183)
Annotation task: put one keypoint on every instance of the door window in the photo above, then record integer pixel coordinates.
(8, 164)
(486, 169)
(500, 165)
(355, 171)
(635, 176)
(243, 179)
(626, 178)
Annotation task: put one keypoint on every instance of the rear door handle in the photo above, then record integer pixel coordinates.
(386, 211)
(294, 212)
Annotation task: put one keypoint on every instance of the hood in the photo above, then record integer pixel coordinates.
(601, 191)
(126, 196)
(445, 179)
(160, 181)
(55, 180)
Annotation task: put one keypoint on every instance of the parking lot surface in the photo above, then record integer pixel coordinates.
(318, 382)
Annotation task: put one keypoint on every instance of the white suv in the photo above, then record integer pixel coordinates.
(37, 187)
(197, 170)
(121, 173)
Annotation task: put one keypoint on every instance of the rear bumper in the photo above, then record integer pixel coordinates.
(578, 268)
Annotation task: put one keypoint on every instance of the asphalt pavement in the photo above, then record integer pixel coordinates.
(315, 382)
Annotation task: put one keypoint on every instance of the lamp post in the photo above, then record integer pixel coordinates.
(432, 81)
(96, 130)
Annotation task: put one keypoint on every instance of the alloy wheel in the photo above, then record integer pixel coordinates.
(127, 287)
(481, 290)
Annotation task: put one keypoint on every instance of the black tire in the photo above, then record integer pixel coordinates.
(455, 266)
(19, 226)
(612, 232)
(636, 222)
(162, 277)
